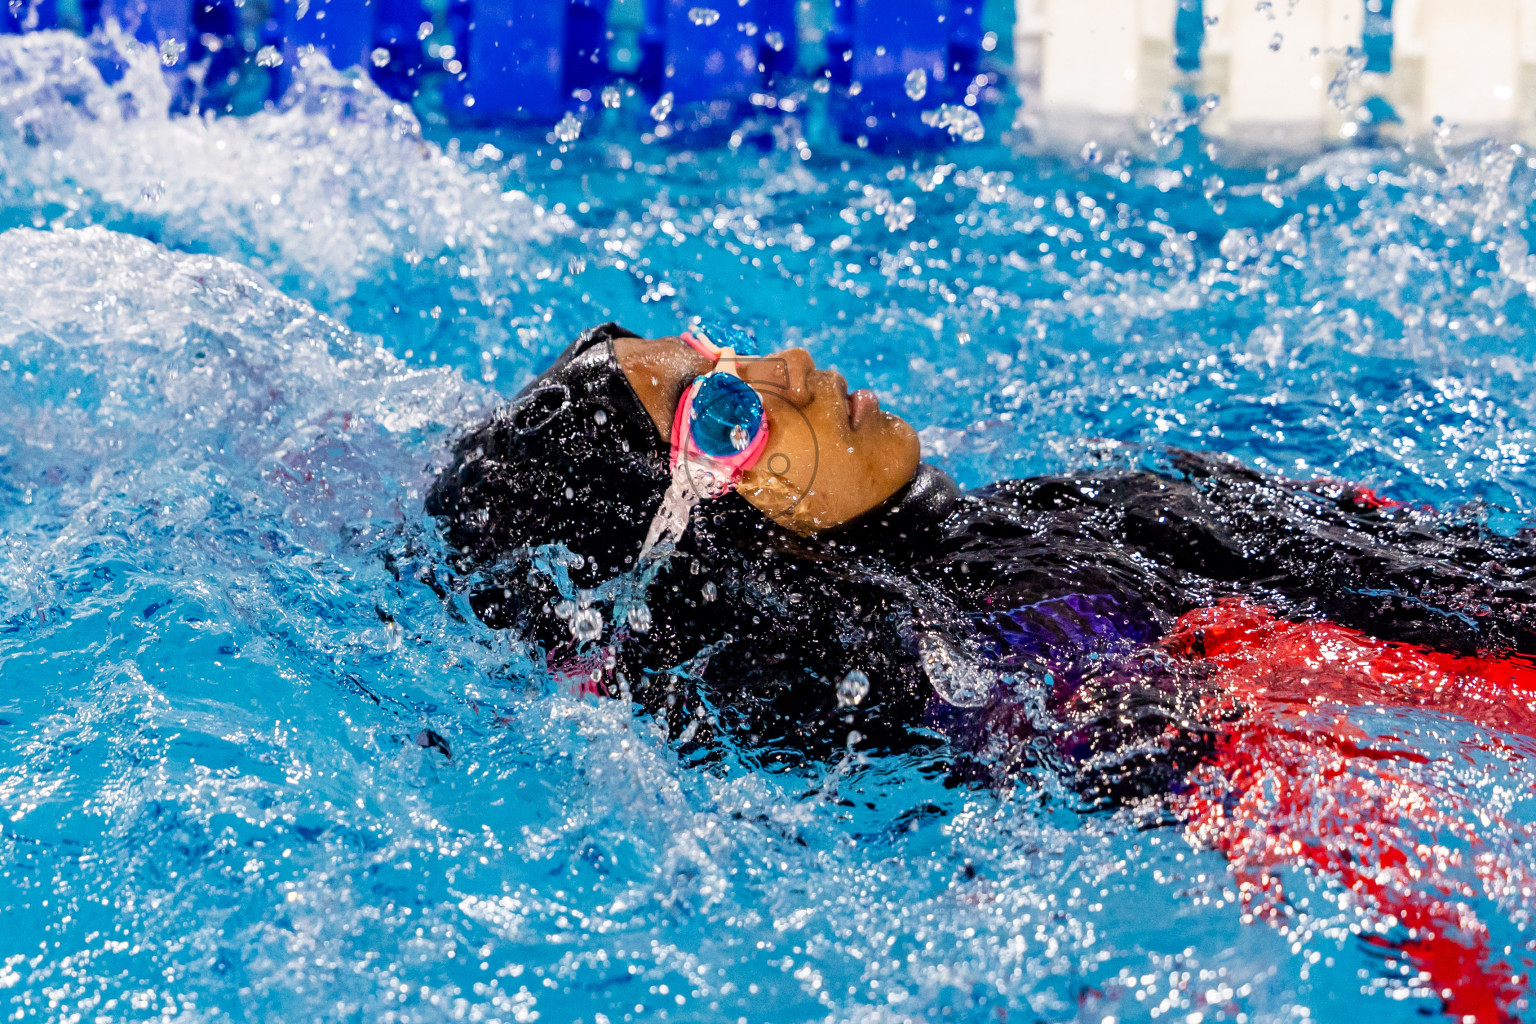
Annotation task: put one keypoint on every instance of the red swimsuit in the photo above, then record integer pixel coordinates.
(1294, 783)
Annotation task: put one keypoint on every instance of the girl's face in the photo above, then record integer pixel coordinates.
(831, 455)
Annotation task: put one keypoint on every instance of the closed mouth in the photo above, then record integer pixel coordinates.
(862, 404)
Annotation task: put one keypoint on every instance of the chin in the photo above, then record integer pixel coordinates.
(904, 438)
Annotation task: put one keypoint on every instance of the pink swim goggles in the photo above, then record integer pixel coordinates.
(721, 428)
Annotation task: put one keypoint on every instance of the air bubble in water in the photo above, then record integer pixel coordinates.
(612, 97)
(587, 625)
(917, 83)
(380, 57)
(1275, 41)
(269, 57)
(171, 51)
(775, 40)
(568, 128)
(600, 417)
(662, 107)
(955, 678)
(639, 619)
(703, 15)
(853, 689)
(710, 592)
(1272, 195)
(565, 609)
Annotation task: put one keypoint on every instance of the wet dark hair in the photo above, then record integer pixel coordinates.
(574, 459)
(753, 627)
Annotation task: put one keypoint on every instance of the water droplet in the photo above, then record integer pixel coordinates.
(900, 216)
(587, 625)
(955, 678)
(961, 122)
(775, 40)
(380, 57)
(600, 417)
(703, 15)
(1238, 245)
(612, 97)
(640, 619)
(568, 128)
(853, 689)
(662, 107)
(565, 608)
(710, 592)
(917, 83)
(269, 57)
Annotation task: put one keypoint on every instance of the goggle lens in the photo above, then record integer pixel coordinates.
(726, 415)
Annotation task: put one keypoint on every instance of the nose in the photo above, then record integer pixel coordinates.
(785, 374)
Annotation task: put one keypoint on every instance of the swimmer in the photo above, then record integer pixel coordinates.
(1125, 628)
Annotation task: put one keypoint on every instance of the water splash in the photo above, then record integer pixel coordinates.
(217, 646)
(671, 519)
(959, 680)
(334, 189)
(960, 121)
(568, 128)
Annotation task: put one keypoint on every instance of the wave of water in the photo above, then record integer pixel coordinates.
(255, 768)
(335, 188)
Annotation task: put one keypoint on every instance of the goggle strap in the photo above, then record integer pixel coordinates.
(680, 431)
(703, 346)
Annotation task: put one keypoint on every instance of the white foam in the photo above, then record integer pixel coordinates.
(333, 188)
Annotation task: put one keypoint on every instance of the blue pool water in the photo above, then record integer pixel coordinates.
(232, 353)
